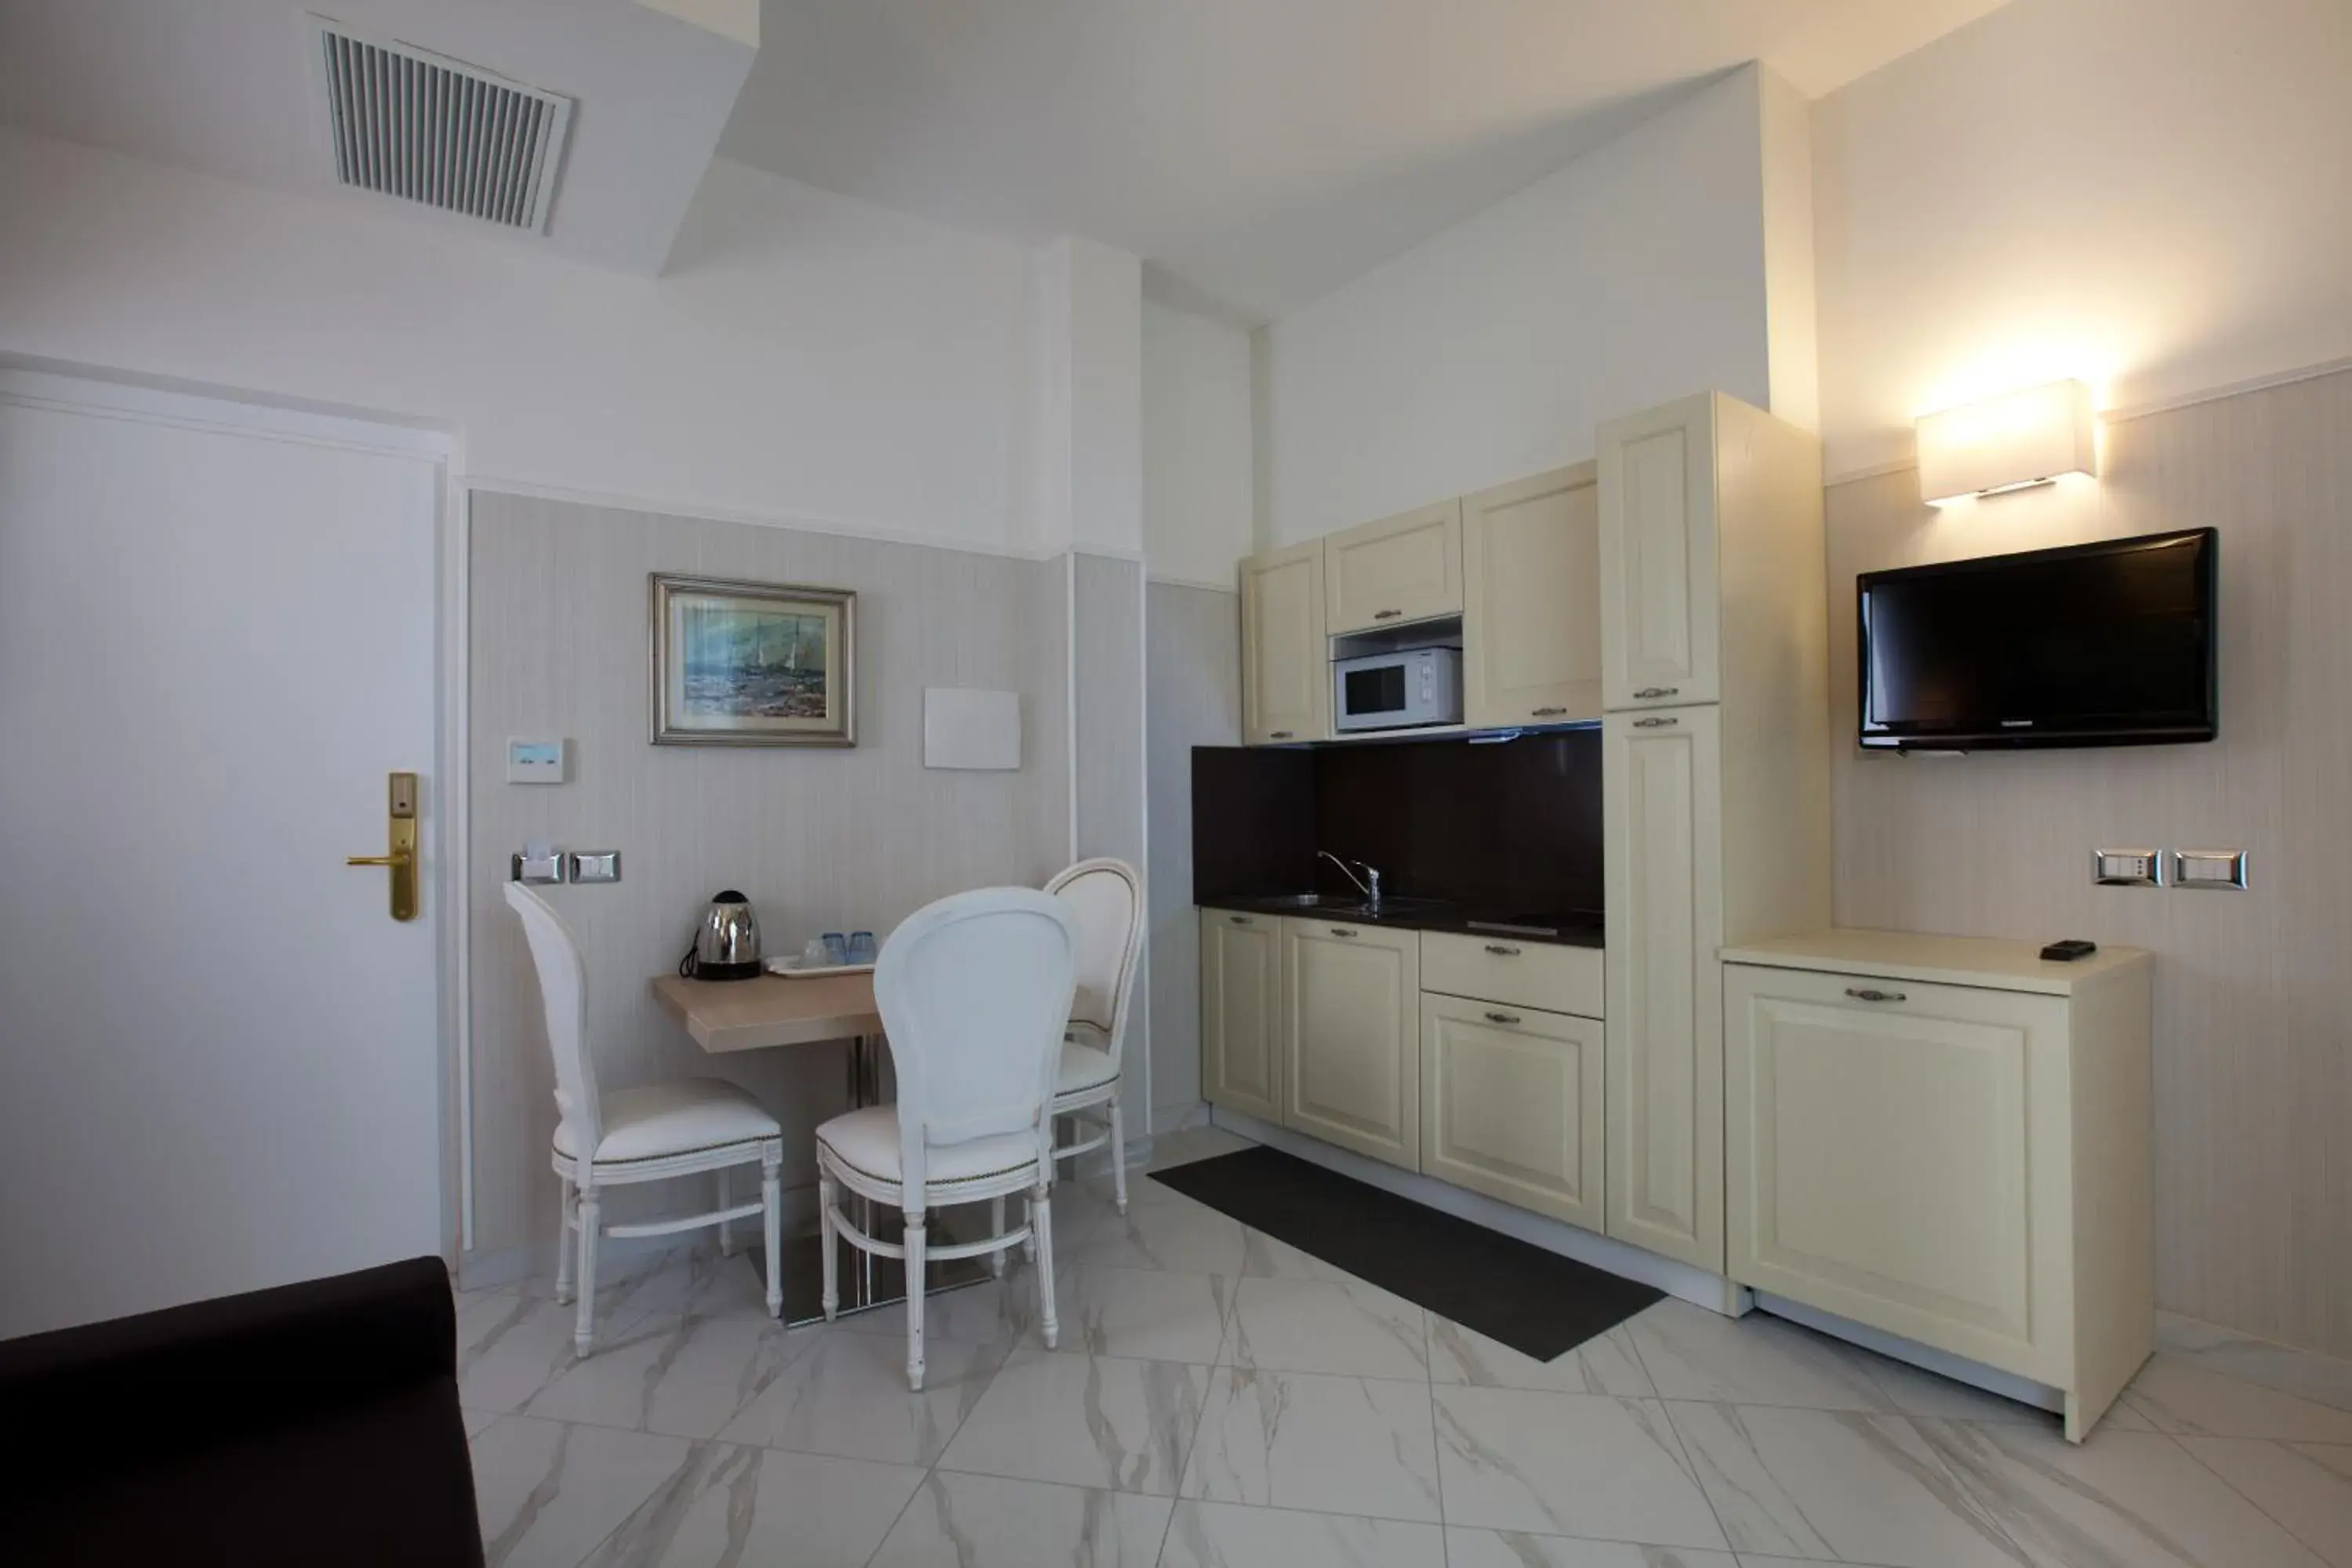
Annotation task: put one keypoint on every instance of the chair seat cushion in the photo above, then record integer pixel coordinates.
(664, 1119)
(1084, 1066)
(867, 1143)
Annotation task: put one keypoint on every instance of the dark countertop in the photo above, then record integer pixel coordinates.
(1569, 928)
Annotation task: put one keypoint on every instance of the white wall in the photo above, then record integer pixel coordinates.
(1633, 275)
(2151, 194)
(1198, 507)
(806, 359)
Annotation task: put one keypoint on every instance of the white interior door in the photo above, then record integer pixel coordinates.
(221, 1065)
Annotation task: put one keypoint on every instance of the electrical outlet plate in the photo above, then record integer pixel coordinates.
(2128, 867)
(2212, 870)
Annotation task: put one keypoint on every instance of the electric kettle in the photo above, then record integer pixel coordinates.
(727, 942)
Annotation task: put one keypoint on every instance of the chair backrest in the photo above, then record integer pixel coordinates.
(1107, 897)
(563, 989)
(974, 992)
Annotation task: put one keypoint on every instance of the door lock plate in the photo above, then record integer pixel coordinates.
(400, 845)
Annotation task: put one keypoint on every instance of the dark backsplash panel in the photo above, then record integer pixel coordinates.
(1509, 827)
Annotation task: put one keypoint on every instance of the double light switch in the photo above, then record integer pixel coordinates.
(2215, 869)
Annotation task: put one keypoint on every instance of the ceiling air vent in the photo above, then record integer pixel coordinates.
(414, 125)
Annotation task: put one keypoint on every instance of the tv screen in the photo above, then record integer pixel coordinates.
(2094, 645)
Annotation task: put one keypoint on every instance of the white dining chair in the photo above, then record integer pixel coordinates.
(685, 1127)
(1106, 897)
(974, 992)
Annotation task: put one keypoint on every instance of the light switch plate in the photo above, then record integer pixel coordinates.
(2128, 867)
(2214, 870)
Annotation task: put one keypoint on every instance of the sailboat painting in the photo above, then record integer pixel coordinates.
(753, 664)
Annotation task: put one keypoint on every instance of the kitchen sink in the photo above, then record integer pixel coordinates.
(1348, 904)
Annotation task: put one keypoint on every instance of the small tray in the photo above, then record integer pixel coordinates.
(792, 967)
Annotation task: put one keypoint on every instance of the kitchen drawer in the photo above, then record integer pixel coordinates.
(1513, 969)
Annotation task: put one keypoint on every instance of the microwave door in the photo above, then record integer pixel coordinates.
(1375, 692)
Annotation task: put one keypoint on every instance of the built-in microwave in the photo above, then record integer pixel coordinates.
(1400, 691)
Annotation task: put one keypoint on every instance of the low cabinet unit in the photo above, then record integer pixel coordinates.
(1240, 1012)
(1511, 1105)
(1351, 1037)
(1948, 1139)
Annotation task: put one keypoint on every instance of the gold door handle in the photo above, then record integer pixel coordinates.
(400, 852)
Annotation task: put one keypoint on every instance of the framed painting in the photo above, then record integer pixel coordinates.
(753, 664)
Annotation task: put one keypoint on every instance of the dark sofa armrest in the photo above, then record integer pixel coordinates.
(213, 1369)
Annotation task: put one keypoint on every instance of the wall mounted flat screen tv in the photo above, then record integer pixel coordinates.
(2094, 645)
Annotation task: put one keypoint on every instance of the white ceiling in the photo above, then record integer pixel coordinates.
(227, 87)
(1256, 153)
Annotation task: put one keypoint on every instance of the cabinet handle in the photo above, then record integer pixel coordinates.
(1241, 919)
(1872, 994)
(1280, 734)
(1547, 712)
(1341, 931)
(1502, 950)
(1502, 1018)
(1655, 723)
(1647, 692)
(1386, 614)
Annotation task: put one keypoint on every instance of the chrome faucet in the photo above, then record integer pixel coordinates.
(1369, 884)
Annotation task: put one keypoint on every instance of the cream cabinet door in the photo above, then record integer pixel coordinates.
(1659, 614)
(1240, 1012)
(1511, 1105)
(1531, 601)
(1898, 1155)
(1286, 660)
(1402, 568)
(1351, 1037)
(1661, 779)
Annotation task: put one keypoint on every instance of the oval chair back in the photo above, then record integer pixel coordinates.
(564, 990)
(974, 992)
(1107, 898)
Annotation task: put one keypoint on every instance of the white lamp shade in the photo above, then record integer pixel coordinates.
(2028, 437)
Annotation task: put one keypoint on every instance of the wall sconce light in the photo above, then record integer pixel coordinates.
(2008, 443)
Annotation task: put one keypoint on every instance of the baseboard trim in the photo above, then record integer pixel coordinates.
(1926, 1358)
(1696, 1285)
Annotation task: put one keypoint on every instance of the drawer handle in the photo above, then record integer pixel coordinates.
(1872, 994)
(1502, 950)
(1386, 614)
(1546, 712)
(1502, 1018)
(1341, 931)
(1655, 723)
(1647, 692)
(1241, 919)
(1279, 735)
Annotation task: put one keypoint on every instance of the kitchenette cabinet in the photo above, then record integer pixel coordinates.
(1240, 1012)
(1530, 587)
(1351, 1037)
(1402, 568)
(1286, 654)
(1511, 1104)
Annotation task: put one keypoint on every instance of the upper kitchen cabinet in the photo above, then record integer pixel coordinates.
(1531, 601)
(1403, 568)
(1658, 567)
(1286, 658)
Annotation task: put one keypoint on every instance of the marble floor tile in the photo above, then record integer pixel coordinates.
(1517, 1549)
(735, 1505)
(510, 1349)
(1191, 1143)
(1568, 1463)
(958, 1521)
(1182, 1236)
(477, 1422)
(2123, 1500)
(846, 1395)
(2183, 1398)
(2306, 1487)
(1912, 1391)
(1692, 1353)
(1088, 1421)
(548, 1494)
(2321, 1379)
(998, 1314)
(1606, 1363)
(689, 1380)
(1150, 1314)
(1837, 1485)
(1338, 1445)
(1354, 1330)
(1266, 1257)
(1228, 1535)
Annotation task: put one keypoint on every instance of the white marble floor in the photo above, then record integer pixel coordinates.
(1220, 1398)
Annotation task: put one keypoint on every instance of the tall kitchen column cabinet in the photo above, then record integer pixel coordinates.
(1715, 769)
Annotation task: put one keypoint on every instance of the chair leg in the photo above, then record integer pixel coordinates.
(565, 1229)
(996, 1228)
(828, 1244)
(772, 1218)
(726, 1202)
(1119, 1151)
(1029, 1243)
(1041, 1224)
(592, 1222)
(915, 1296)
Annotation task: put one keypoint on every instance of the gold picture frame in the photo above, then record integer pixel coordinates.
(751, 663)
